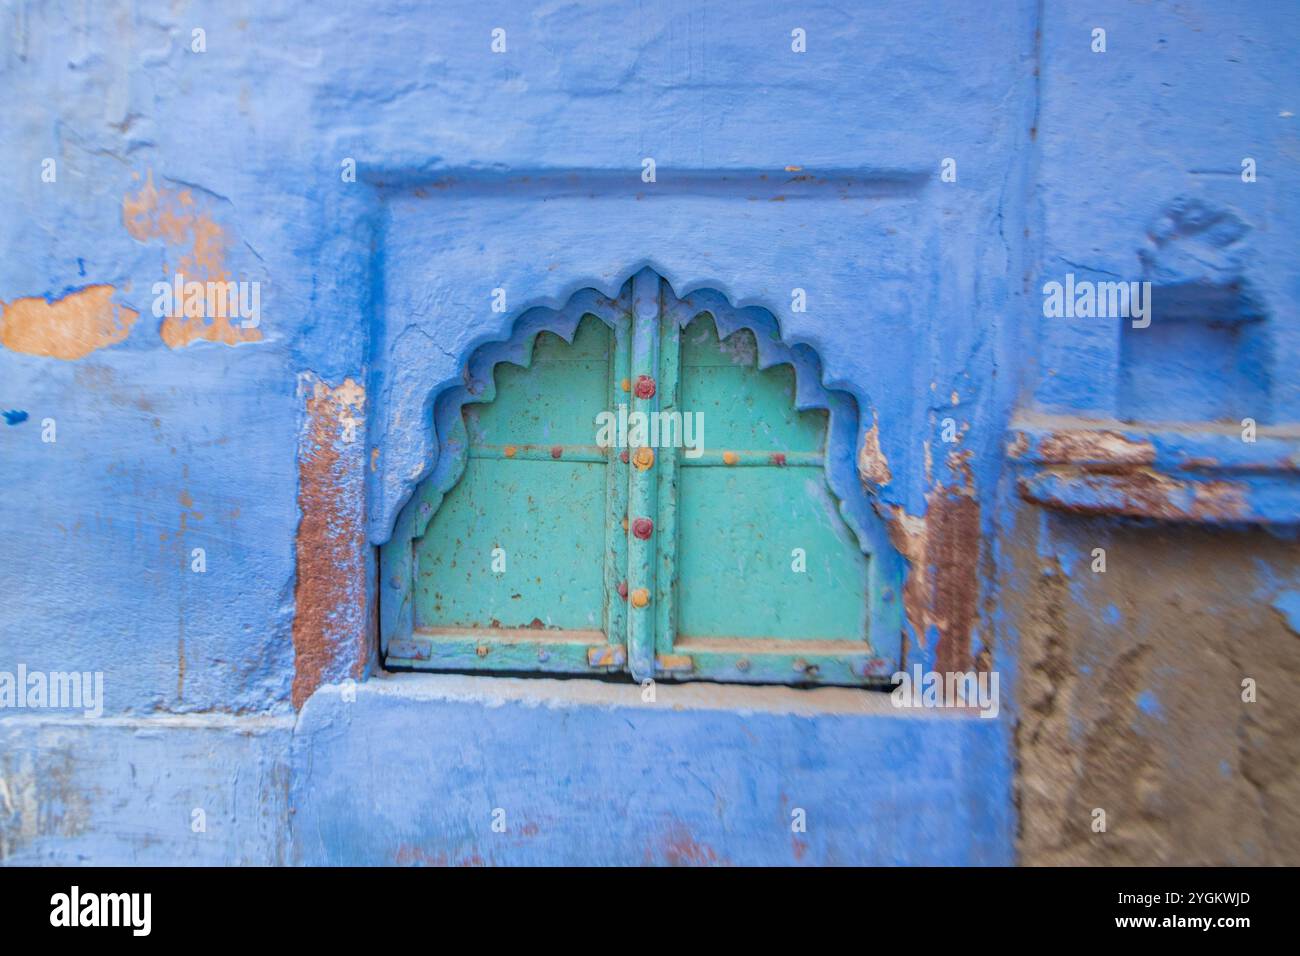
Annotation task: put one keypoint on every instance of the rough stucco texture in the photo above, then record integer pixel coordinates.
(285, 448)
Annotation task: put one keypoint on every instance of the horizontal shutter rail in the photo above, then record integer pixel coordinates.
(542, 452)
(753, 459)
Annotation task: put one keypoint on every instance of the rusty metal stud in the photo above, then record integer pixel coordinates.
(730, 457)
(482, 650)
(626, 385)
(622, 590)
(640, 597)
(742, 665)
(557, 451)
(644, 458)
(510, 451)
(642, 528)
(623, 456)
(778, 458)
(645, 387)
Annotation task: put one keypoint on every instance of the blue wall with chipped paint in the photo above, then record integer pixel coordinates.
(286, 451)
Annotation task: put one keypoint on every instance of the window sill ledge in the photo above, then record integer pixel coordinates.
(690, 696)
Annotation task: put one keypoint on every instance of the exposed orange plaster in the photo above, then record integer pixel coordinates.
(67, 328)
(331, 548)
(174, 216)
(872, 464)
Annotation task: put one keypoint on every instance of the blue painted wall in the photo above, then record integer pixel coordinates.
(285, 451)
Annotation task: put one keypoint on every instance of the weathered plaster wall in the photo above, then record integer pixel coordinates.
(285, 449)
(159, 791)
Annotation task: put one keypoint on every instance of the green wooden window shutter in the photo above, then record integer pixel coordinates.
(533, 547)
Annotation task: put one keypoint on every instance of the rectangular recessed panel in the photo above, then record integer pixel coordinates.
(738, 534)
(548, 519)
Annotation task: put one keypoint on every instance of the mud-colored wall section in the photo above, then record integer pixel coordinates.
(1133, 701)
(190, 504)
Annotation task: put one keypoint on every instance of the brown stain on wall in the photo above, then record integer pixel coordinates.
(329, 639)
(942, 549)
(1141, 493)
(942, 586)
(678, 847)
(176, 217)
(68, 328)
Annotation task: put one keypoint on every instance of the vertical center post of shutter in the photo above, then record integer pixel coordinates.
(643, 483)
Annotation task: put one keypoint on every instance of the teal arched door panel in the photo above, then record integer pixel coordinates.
(649, 497)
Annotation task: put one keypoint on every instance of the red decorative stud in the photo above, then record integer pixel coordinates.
(623, 456)
(778, 458)
(622, 590)
(557, 451)
(643, 528)
(645, 386)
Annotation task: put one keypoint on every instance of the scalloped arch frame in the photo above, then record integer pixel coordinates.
(477, 385)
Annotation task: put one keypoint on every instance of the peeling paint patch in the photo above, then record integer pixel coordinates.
(872, 465)
(330, 616)
(192, 232)
(942, 588)
(941, 593)
(1141, 493)
(1098, 449)
(68, 328)
(39, 798)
